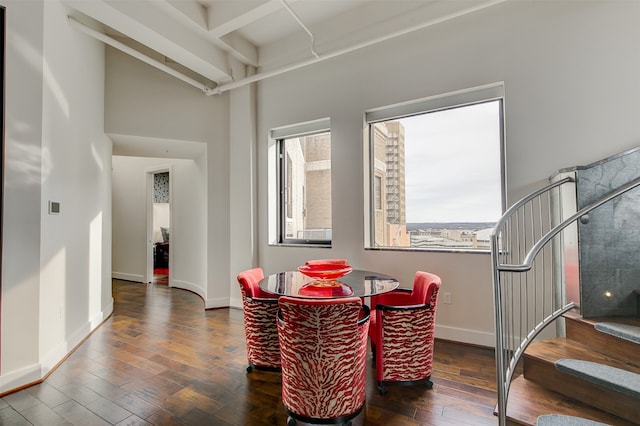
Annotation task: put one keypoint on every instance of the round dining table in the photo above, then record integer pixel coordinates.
(357, 283)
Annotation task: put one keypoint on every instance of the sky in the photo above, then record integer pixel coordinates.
(452, 161)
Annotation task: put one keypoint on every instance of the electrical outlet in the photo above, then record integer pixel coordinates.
(447, 297)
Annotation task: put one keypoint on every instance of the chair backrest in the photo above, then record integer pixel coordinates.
(311, 313)
(323, 351)
(404, 335)
(425, 288)
(263, 349)
(249, 280)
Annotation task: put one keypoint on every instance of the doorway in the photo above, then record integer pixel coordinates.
(159, 227)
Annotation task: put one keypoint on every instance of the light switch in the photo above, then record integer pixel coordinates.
(54, 207)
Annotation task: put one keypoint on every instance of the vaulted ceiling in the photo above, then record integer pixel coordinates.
(217, 45)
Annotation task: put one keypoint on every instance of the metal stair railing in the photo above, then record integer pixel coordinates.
(527, 255)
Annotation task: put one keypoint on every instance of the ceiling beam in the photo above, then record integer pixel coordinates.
(446, 14)
(196, 16)
(228, 16)
(157, 30)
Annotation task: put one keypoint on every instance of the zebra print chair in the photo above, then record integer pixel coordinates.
(323, 345)
(260, 309)
(402, 332)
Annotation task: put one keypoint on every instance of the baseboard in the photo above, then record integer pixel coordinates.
(185, 285)
(127, 277)
(35, 373)
(54, 356)
(100, 317)
(10, 381)
(235, 303)
(220, 302)
(473, 337)
(64, 349)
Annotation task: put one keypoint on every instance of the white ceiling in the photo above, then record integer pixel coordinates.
(217, 45)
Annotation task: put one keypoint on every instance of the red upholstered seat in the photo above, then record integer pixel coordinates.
(323, 345)
(402, 332)
(260, 309)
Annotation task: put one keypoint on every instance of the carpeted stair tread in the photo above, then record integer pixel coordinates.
(560, 420)
(623, 331)
(623, 381)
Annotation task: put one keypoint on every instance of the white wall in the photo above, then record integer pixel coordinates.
(243, 249)
(188, 224)
(189, 228)
(129, 209)
(570, 71)
(54, 286)
(22, 177)
(144, 102)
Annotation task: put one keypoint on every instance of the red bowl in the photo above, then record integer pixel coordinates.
(325, 272)
(320, 290)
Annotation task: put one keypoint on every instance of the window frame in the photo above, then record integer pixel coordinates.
(461, 98)
(279, 136)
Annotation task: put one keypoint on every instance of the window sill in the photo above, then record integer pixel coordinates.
(430, 250)
(299, 245)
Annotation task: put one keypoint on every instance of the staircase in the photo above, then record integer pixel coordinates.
(592, 375)
(553, 366)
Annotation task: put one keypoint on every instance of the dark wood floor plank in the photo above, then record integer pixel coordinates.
(161, 359)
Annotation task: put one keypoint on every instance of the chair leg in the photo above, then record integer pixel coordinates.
(382, 385)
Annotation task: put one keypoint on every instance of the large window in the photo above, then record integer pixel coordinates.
(436, 172)
(304, 179)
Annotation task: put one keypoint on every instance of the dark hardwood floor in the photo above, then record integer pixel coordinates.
(161, 359)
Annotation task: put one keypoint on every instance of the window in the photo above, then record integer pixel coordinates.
(377, 190)
(304, 179)
(436, 169)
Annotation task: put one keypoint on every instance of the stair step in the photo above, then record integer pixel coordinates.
(529, 400)
(558, 420)
(623, 331)
(583, 330)
(539, 366)
(616, 379)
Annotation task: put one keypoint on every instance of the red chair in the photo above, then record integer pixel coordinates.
(323, 346)
(260, 310)
(402, 332)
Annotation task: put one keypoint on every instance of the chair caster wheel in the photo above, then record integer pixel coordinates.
(382, 389)
(249, 368)
(291, 421)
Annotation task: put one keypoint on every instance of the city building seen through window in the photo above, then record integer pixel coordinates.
(436, 170)
(436, 178)
(305, 188)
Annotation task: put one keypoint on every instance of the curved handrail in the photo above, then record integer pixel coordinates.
(525, 200)
(528, 260)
